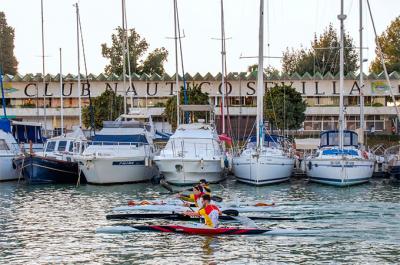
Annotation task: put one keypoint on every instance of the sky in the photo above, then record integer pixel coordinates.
(289, 23)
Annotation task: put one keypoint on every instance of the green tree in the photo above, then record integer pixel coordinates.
(284, 107)
(195, 97)
(106, 107)
(323, 56)
(8, 62)
(390, 43)
(138, 46)
(269, 70)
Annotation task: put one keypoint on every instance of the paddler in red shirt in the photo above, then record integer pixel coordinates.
(209, 212)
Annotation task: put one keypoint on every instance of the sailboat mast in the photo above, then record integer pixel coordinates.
(223, 58)
(260, 79)
(341, 17)
(362, 126)
(43, 70)
(176, 63)
(79, 65)
(123, 53)
(61, 95)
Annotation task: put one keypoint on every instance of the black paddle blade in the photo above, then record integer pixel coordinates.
(216, 198)
(166, 186)
(231, 212)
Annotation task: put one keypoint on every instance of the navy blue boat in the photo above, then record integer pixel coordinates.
(54, 165)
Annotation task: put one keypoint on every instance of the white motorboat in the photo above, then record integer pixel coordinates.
(192, 153)
(264, 160)
(121, 152)
(8, 151)
(267, 165)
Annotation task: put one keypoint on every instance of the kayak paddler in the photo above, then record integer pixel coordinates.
(195, 197)
(209, 212)
(206, 187)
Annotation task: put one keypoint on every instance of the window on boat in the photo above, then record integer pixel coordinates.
(62, 145)
(347, 139)
(71, 147)
(324, 139)
(50, 146)
(3, 145)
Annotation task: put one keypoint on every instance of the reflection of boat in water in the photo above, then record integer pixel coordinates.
(339, 167)
(8, 151)
(56, 163)
(121, 152)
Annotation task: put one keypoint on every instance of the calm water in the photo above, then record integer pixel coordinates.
(56, 224)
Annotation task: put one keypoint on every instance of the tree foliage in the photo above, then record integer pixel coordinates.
(138, 46)
(270, 71)
(106, 107)
(284, 107)
(390, 43)
(195, 97)
(323, 56)
(8, 62)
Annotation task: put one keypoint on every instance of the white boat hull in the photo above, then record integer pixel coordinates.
(190, 171)
(262, 170)
(7, 171)
(116, 170)
(340, 172)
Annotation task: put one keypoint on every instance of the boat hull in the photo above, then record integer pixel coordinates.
(44, 170)
(7, 170)
(105, 171)
(341, 172)
(262, 170)
(190, 171)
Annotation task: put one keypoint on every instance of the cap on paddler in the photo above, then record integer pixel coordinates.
(203, 181)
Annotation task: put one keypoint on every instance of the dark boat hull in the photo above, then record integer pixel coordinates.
(45, 170)
(394, 173)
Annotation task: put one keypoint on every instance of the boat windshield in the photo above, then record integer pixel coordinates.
(331, 138)
(61, 146)
(50, 146)
(3, 145)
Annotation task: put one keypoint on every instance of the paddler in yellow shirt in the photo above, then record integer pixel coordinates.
(209, 212)
(195, 197)
(206, 187)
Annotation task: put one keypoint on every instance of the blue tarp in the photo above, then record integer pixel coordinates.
(340, 152)
(135, 138)
(5, 125)
(162, 135)
(26, 133)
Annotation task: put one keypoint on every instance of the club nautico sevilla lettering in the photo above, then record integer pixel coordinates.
(213, 88)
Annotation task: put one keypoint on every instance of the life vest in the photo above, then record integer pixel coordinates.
(196, 198)
(210, 213)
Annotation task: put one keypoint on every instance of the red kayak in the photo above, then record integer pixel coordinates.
(192, 230)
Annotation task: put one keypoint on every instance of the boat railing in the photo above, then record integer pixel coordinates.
(182, 148)
(117, 146)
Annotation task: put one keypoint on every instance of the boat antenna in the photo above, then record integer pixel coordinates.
(87, 78)
(378, 45)
(341, 17)
(61, 95)
(185, 98)
(43, 69)
(79, 65)
(3, 99)
(126, 33)
(260, 79)
(176, 63)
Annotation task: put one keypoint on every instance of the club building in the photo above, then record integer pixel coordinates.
(24, 93)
